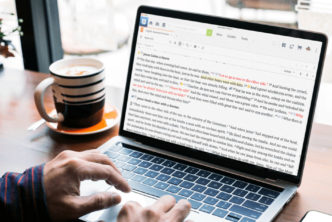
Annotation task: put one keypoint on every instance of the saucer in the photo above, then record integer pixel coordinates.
(110, 118)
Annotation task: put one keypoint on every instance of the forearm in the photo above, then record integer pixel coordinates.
(22, 196)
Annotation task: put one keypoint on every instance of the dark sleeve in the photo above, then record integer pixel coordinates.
(22, 196)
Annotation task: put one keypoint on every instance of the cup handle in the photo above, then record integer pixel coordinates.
(39, 101)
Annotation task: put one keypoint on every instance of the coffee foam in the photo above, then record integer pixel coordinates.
(77, 70)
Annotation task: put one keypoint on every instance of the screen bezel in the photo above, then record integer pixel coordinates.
(204, 156)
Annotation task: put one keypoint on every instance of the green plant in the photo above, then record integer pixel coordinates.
(6, 46)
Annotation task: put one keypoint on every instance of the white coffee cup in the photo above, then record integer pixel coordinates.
(78, 92)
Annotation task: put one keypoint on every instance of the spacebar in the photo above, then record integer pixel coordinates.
(151, 191)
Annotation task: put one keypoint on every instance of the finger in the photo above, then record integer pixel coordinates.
(91, 151)
(87, 204)
(164, 204)
(128, 211)
(180, 211)
(98, 157)
(96, 171)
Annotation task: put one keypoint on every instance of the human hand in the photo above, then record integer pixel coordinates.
(62, 177)
(163, 210)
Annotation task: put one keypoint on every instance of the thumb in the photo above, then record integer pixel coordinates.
(98, 201)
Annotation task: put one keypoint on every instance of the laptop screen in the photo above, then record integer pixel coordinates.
(240, 94)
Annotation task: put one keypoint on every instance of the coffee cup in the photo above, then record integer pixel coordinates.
(78, 92)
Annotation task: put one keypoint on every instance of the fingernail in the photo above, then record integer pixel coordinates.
(116, 198)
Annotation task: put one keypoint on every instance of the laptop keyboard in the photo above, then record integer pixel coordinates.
(209, 192)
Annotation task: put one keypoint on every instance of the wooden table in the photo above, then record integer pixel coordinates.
(20, 149)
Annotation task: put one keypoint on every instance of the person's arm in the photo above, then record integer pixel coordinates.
(50, 192)
(22, 196)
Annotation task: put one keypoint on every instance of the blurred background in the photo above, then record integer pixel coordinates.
(103, 28)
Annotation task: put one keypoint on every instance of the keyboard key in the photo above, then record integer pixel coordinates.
(191, 170)
(245, 211)
(207, 208)
(202, 181)
(167, 171)
(140, 170)
(122, 158)
(199, 188)
(228, 180)
(185, 192)
(168, 163)
(186, 184)
(116, 148)
(136, 154)
(233, 217)
(236, 200)
(150, 182)
(180, 167)
(174, 181)
(219, 213)
(125, 151)
(269, 193)
(255, 206)
(163, 177)
(190, 177)
(223, 204)
(227, 189)
(151, 174)
(240, 184)
(179, 174)
(157, 160)
(252, 188)
(246, 219)
(198, 196)
(215, 177)
(214, 185)
(224, 196)
(146, 157)
(127, 174)
(211, 192)
(112, 155)
(145, 164)
(194, 204)
(128, 167)
(119, 164)
(240, 193)
(156, 167)
(138, 178)
(266, 200)
(253, 196)
(134, 161)
(173, 189)
(203, 173)
(161, 185)
(210, 200)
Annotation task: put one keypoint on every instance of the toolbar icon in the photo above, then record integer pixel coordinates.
(209, 32)
(144, 21)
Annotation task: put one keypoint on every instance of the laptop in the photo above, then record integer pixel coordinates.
(216, 111)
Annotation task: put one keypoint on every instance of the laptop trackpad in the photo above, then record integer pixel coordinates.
(110, 214)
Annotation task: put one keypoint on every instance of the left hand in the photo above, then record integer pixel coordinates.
(62, 177)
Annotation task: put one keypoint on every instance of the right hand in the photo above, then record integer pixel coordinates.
(163, 210)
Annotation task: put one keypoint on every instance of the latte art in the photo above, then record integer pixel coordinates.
(77, 70)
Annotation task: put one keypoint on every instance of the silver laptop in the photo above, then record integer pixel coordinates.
(216, 111)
